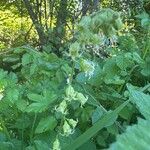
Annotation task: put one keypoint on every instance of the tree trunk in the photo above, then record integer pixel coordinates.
(38, 26)
(61, 20)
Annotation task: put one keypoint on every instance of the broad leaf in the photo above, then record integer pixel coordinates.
(141, 100)
(41, 103)
(136, 137)
(12, 95)
(45, 124)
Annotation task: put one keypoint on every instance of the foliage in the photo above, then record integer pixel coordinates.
(86, 98)
(134, 134)
(130, 139)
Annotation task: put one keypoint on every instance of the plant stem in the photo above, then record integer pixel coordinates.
(32, 129)
(127, 78)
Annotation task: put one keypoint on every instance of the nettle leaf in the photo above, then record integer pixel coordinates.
(137, 58)
(45, 124)
(37, 107)
(123, 62)
(112, 72)
(22, 122)
(136, 137)
(12, 94)
(41, 103)
(141, 100)
(22, 104)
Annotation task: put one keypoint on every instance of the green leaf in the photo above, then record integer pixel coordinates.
(113, 129)
(26, 59)
(41, 145)
(97, 114)
(112, 72)
(90, 145)
(45, 124)
(12, 95)
(141, 100)
(101, 141)
(6, 146)
(37, 107)
(136, 137)
(95, 128)
(33, 68)
(11, 59)
(22, 122)
(30, 148)
(123, 62)
(127, 112)
(41, 103)
(21, 104)
(35, 97)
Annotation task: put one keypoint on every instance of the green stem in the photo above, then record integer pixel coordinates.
(145, 52)
(127, 78)
(22, 133)
(147, 47)
(32, 129)
(145, 88)
(71, 77)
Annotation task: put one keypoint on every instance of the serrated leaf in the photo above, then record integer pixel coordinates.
(41, 103)
(12, 95)
(136, 137)
(45, 124)
(22, 122)
(141, 100)
(37, 107)
(123, 62)
(21, 105)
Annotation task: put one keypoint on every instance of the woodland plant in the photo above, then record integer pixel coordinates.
(98, 93)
